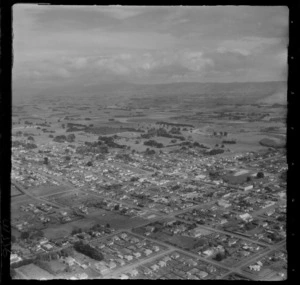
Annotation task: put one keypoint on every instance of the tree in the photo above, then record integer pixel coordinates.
(108, 225)
(219, 256)
(46, 160)
(24, 235)
(260, 174)
(70, 138)
(89, 163)
(88, 251)
(283, 176)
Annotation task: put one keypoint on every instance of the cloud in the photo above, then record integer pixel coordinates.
(248, 45)
(151, 43)
(140, 64)
(195, 61)
(122, 12)
(80, 62)
(63, 73)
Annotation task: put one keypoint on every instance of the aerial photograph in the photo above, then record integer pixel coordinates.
(149, 142)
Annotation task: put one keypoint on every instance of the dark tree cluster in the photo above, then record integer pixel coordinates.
(161, 132)
(229, 141)
(24, 144)
(215, 151)
(109, 141)
(150, 151)
(60, 138)
(153, 143)
(193, 144)
(174, 124)
(89, 251)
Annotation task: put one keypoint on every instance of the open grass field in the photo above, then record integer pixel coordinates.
(116, 221)
(32, 271)
(47, 190)
(14, 191)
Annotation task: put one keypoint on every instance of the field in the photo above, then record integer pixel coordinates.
(101, 217)
(116, 221)
(15, 192)
(32, 271)
(44, 190)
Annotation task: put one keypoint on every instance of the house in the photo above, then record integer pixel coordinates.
(223, 203)
(162, 263)
(43, 240)
(175, 255)
(208, 252)
(148, 252)
(82, 276)
(132, 247)
(128, 257)
(156, 248)
(147, 271)
(166, 258)
(197, 232)
(150, 229)
(202, 274)
(171, 222)
(124, 277)
(193, 271)
(101, 268)
(232, 242)
(112, 265)
(47, 246)
(254, 267)
(135, 240)
(192, 262)
(247, 187)
(123, 235)
(246, 217)
(14, 258)
(69, 260)
(134, 273)
(154, 267)
(137, 254)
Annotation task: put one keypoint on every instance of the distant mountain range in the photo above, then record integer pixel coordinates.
(254, 92)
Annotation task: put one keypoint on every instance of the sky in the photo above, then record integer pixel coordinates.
(149, 44)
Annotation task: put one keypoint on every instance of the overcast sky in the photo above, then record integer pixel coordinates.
(149, 44)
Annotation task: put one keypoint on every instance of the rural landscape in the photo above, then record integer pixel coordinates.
(175, 180)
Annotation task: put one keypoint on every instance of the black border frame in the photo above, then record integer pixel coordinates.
(6, 59)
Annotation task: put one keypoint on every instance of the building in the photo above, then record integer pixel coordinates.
(248, 187)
